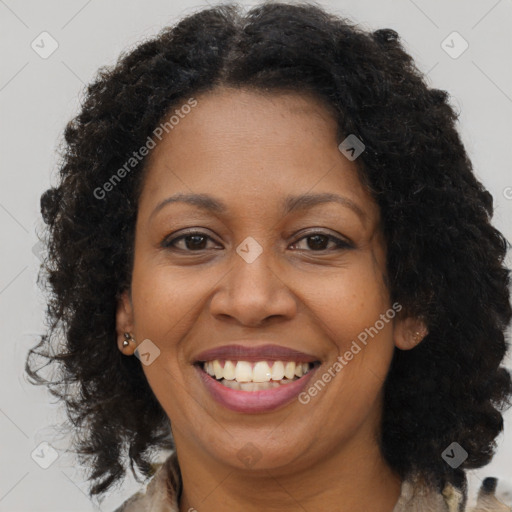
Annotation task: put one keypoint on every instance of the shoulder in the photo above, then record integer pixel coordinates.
(416, 496)
(160, 494)
(494, 495)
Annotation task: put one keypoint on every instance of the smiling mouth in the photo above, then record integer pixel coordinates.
(255, 376)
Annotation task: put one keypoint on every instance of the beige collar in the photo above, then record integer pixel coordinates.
(163, 491)
(417, 497)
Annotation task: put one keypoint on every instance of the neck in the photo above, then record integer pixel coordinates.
(354, 478)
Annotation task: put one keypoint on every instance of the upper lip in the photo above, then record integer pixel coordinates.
(254, 353)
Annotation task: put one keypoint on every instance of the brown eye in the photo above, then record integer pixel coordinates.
(319, 242)
(192, 241)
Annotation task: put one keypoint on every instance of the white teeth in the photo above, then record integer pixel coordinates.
(289, 370)
(252, 386)
(243, 371)
(228, 372)
(217, 369)
(259, 372)
(277, 370)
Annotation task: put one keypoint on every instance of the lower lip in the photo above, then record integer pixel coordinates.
(254, 401)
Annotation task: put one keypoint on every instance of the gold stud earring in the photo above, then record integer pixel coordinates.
(418, 336)
(128, 338)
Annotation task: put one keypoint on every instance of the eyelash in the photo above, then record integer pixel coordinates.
(340, 244)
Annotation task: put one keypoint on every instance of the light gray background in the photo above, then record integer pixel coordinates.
(38, 96)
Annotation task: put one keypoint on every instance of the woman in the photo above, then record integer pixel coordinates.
(277, 217)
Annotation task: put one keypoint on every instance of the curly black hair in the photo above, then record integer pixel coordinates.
(445, 261)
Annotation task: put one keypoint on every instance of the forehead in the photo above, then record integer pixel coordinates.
(236, 117)
(253, 146)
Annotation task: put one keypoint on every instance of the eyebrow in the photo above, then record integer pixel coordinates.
(290, 203)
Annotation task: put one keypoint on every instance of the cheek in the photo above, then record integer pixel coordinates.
(349, 300)
(166, 299)
(352, 308)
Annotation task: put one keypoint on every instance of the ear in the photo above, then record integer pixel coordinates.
(125, 323)
(409, 332)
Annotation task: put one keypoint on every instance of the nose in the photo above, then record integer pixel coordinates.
(253, 293)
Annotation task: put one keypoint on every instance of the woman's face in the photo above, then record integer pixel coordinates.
(261, 270)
